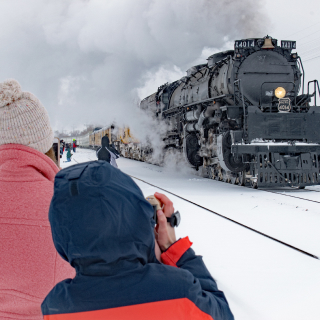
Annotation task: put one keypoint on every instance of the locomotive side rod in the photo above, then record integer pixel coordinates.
(236, 222)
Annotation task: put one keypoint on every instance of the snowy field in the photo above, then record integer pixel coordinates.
(262, 279)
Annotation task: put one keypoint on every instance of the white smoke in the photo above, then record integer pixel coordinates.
(153, 79)
(88, 61)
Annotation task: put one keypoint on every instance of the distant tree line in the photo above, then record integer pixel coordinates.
(74, 133)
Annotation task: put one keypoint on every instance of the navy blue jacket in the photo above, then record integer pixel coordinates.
(102, 225)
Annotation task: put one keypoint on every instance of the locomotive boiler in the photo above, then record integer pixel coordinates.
(240, 117)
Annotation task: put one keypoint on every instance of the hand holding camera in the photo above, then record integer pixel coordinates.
(166, 219)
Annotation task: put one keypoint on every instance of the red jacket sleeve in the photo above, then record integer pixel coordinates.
(173, 254)
(200, 287)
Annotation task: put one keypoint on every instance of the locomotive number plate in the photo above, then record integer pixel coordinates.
(284, 105)
(243, 44)
(288, 45)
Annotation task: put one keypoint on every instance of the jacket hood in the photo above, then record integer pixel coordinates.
(22, 163)
(100, 220)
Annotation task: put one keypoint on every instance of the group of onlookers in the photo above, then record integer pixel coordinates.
(82, 242)
(67, 146)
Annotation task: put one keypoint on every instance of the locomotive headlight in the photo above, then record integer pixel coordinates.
(280, 92)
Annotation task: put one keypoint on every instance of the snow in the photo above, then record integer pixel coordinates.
(263, 142)
(262, 279)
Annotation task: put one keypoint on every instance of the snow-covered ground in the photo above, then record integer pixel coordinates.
(262, 279)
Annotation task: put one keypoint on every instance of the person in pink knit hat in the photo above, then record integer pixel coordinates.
(29, 263)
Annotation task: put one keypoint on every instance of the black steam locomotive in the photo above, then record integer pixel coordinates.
(239, 116)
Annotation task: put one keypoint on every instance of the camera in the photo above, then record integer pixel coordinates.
(175, 218)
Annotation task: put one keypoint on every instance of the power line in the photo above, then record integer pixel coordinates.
(314, 48)
(311, 58)
(303, 29)
(308, 35)
(304, 43)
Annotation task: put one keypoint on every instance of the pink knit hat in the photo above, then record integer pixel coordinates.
(23, 119)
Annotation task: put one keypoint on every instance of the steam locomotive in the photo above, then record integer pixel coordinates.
(240, 116)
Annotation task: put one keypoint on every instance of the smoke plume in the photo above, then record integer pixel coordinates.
(89, 61)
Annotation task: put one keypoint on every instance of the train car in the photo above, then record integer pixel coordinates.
(90, 139)
(128, 145)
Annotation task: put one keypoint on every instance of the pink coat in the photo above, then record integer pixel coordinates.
(29, 263)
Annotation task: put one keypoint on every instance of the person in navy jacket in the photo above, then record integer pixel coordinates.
(107, 152)
(103, 226)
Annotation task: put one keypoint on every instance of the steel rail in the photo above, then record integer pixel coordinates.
(289, 195)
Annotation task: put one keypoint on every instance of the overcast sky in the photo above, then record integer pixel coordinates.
(90, 61)
(299, 21)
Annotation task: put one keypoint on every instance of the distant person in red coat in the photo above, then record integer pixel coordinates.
(29, 263)
(74, 145)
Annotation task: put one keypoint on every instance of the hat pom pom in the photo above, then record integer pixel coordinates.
(10, 90)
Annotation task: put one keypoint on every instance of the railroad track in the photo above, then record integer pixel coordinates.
(231, 220)
(312, 190)
(282, 194)
(234, 221)
(289, 195)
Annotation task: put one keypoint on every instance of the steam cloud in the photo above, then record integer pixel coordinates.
(90, 61)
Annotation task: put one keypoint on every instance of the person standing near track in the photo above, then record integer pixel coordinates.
(61, 147)
(107, 152)
(127, 266)
(69, 154)
(29, 264)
